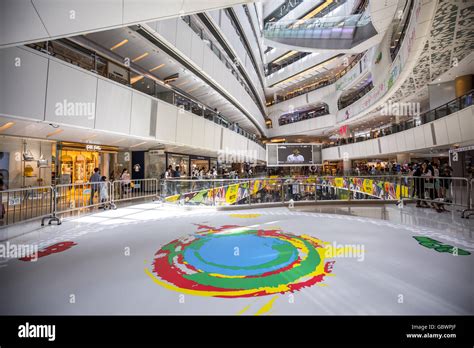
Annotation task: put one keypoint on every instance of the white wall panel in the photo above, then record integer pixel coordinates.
(113, 107)
(20, 12)
(197, 50)
(441, 132)
(209, 135)
(59, 20)
(23, 92)
(384, 144)
(428, 135)
(140, 116)
(466, 123)
(401, 143)
(198, 131)
(166, 121)
(168, 29)
(183, 38)
(218, 131)
(184, 127)
(76, 89)
(148, 9)
(208, 63)
(392, 143)
(453, 128)
(409, 139)
(419, 138)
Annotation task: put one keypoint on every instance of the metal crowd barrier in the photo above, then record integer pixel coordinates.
(470, 210)
(18, 205)
(219, 192)
(436, 191)
(47, 202)
(70, 197)
(125, 190)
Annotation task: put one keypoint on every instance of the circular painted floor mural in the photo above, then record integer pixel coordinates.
(234, 261)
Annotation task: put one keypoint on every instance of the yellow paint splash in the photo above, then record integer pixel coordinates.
(267, 306)
(243, 310)
(245, 216)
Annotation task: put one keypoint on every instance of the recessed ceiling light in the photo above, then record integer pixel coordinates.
(6, 126)
(57, 131)
(121, 43)
(136, 59)
(136, 79)
(156, 67)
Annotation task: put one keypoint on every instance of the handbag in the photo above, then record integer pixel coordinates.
(28, 156)
(42, 162)
(29, 172)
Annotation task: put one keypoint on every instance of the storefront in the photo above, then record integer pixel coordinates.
(76, 162)
(26, 162)
(187, 163)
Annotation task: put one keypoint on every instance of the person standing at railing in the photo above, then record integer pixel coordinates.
(419, 187)
(445, 184)
(176, 174)
(95, 186)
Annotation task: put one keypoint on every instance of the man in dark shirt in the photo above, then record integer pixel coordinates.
(94, 180)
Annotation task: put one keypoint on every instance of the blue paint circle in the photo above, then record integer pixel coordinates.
(241, 254)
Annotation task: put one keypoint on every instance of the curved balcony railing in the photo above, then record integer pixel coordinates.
(91, 61)
(438, 191)
(444, 110)
(321, 84)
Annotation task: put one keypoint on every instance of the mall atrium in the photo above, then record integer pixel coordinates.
(236, 157)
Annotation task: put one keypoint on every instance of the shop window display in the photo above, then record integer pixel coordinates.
(78, 166)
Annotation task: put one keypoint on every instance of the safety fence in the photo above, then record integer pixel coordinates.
(436, 192)
(25, 204)
(49, 202)
(265, 190)
(470, 210)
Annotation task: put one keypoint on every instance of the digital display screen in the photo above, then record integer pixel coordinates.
(295, 154)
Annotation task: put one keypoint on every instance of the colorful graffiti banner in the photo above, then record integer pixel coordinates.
(233, 193)
(374, 187)
(234, 261)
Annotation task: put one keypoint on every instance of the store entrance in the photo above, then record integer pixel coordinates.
(78, 166)
(200, 164)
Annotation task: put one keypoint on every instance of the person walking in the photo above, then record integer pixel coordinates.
(104, 192)
(95, 186)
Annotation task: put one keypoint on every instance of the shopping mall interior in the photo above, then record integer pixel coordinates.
(237, 157)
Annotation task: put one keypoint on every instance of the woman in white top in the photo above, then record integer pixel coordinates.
(125, 178)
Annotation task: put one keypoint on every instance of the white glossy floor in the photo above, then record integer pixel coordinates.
(108, 269)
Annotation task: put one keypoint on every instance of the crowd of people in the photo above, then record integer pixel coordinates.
(196, 174)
